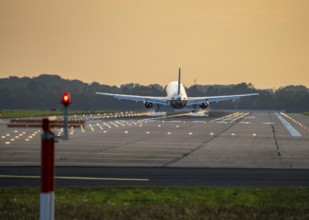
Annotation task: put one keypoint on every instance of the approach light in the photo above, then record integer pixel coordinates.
(66, 99)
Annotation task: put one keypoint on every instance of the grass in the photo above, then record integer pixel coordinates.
(39, 113)
(306, 113)
(160, 203)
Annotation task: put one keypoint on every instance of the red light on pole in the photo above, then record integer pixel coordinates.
(66, 99)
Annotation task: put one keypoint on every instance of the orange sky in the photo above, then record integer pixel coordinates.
(265, 42)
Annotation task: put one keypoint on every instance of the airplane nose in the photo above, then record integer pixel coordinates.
(178, 99)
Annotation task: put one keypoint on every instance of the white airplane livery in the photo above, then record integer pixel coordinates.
(176, 97)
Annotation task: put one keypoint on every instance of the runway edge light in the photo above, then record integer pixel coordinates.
(66, 100)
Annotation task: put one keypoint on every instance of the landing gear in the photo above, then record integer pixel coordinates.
(158, 108)
(194, 109)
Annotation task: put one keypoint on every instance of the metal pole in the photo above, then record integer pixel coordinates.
(66, 123)
(47, 195)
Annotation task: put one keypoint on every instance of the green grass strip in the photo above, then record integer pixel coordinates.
(160, 203)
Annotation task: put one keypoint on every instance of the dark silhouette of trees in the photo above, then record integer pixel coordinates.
(44, 92)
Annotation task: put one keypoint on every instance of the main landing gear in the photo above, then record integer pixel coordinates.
(158, 108)
(194, 109)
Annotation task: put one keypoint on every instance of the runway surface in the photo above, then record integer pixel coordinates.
(141, 176)
(229, 141)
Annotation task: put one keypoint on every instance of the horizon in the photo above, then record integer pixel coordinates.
(154, 83)
(214, 42)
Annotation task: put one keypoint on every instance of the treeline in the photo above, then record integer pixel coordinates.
(44, 92)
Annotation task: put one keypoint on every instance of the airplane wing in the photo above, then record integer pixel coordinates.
(152, 99)
(200, 100)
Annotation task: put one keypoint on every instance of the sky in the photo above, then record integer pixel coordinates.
(263, 42)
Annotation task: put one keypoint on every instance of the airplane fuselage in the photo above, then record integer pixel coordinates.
(177, 101)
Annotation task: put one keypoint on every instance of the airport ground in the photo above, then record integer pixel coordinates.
(216, 149)
(257, 161)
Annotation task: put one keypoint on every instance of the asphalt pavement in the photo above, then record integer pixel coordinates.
(229, 148)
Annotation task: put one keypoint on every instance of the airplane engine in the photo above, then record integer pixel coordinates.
(148, 104)
(204, 105)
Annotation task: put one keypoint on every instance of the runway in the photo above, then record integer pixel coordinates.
(237, 140)
(150, 176)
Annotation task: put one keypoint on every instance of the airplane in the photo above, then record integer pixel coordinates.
(176, 97)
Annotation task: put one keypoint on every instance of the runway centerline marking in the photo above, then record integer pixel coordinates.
(76, 178)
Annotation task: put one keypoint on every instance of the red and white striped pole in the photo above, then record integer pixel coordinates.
(47, 196)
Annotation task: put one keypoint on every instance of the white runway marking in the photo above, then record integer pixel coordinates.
(269, 123)
(288, 126)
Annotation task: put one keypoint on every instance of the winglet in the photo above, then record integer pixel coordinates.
(179, 74)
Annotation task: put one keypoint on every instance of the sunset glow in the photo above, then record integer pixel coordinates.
(116, 42)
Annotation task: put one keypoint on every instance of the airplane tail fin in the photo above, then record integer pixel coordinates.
(179, 75)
